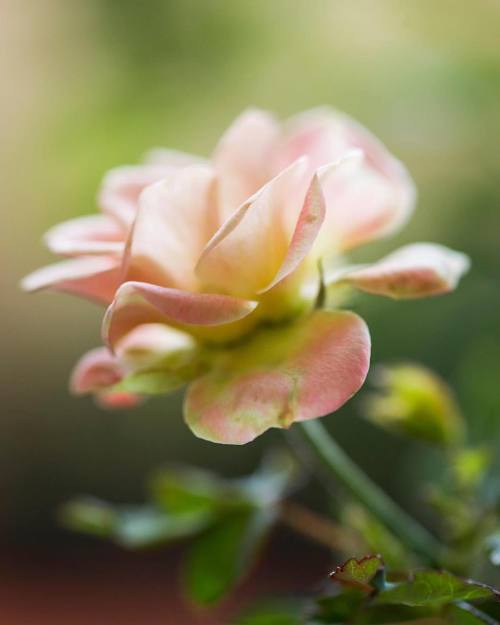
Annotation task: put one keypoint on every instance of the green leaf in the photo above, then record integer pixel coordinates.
(339, 608)
(221, 557)
(433, 589)
(187, 489)
(358, 574)
(273, 613)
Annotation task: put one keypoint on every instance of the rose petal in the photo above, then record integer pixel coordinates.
(282, 375)
(151, 344)
(92, 234)
(417, 270)
(306, 230)
(246, 253)
(97, 372)
(122, 186)
(174, 222)
(94, 277)
(137, 303)
(176, 158)
(366, 207)
(243, 158)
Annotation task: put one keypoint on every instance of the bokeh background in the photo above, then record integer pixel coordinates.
(91, 84)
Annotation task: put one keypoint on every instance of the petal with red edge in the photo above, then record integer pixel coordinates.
(243, 158)
(282, 375)
(174, 222)
(94, 277)
(97, 372)
(92, 234)
(137, 303)
(413, 271)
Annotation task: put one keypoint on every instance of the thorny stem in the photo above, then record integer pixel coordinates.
(332, 457)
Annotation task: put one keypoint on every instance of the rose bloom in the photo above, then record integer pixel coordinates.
(227, 273)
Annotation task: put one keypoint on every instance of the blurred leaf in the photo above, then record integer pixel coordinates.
(339, 608)
(470, 465)
(358, 574)
(89, 516)
(273, 480)
(273, 613)
(376, 536)
(146, 526)
(433, 589)
(184, 489)
(129, 526)
(224, 554)
(187, 488)
(414, 401)
(493, 547)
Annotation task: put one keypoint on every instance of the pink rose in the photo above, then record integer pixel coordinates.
(223, 276)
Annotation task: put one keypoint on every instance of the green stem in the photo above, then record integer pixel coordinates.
(336, 461)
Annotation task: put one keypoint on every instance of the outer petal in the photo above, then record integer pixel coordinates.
(97, 372)
(155, 344)
(243, 158)
(413, 271)
(137, 303)
(374, 204)
(174, 222)
(282, 375)
(247, 252)
(92, 234)
(95, 277)
(122, 186)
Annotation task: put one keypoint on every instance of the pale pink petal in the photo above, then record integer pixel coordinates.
(151, 344)
(243, 158)
(137, 303)
(247, 252)
(96, 373)
(306, 230)
(373, 204)
(94, 277)
(294, 373)
(174, 222)
(176, 158)
(92, 234)
(122, 186)
(414, 271)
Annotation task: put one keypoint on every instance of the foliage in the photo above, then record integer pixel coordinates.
(227, 520)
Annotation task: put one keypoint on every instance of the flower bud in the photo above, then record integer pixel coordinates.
(414, 401)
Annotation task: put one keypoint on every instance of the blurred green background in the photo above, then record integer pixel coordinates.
(90, 85)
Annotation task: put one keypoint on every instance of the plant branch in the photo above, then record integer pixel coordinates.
(318, 528)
